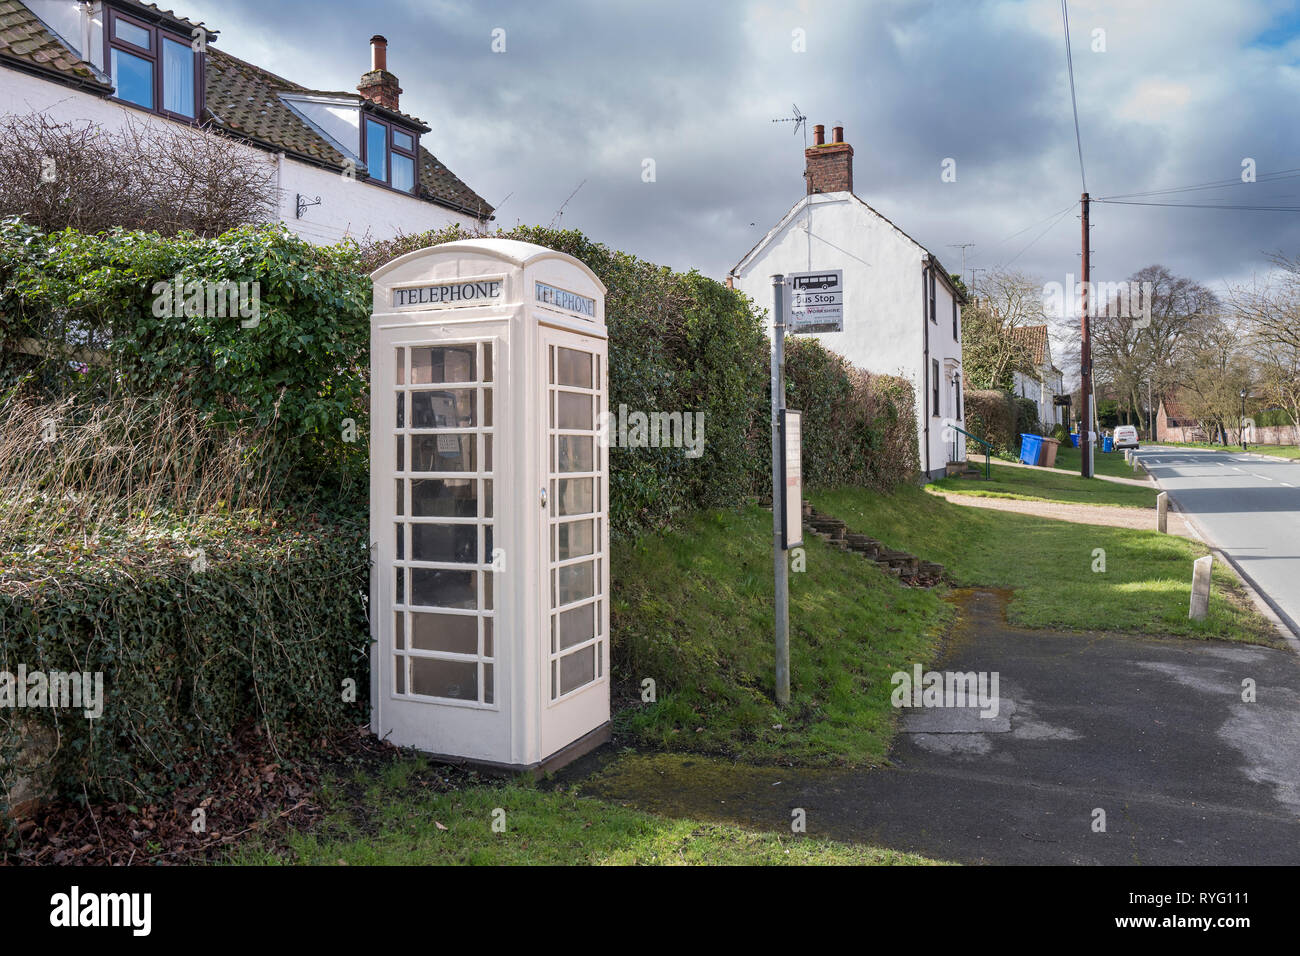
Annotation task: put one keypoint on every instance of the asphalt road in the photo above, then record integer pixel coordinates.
(1247, 506)
(1106, 749)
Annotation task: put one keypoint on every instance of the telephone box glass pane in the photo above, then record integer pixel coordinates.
(440, 588)
(577, 453)
(432, 677)
(448, 363)
(577, 625)
(577, 669)
(443, 498)
(572, 368)
(573, 411)
(574, 539)
(443, 453)
(574, 496)
(448, 408)
(576, 582)
(445, 542)
(449, 633)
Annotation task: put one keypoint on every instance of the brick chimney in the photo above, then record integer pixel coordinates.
(379, 86)
(828, 167)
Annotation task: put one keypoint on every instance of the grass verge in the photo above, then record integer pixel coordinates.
(693, 612)
(1109, 463)
(1145, 587)
(1049, 484)
(399, 820)
(1278, 451)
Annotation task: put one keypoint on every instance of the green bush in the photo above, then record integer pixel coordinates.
(1026, 416)
(1273, 417)
(298, 359)
(268, 631)
(858, 428)
(992, 415)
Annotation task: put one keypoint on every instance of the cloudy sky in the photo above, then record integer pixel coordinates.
(1171, 93)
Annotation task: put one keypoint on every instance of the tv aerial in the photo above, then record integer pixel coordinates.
(800, 123)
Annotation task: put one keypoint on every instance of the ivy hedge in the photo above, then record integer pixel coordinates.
(266, 626)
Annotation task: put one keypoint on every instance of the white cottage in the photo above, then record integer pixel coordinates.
(902, 313)
(1044, 381)
(345, 163)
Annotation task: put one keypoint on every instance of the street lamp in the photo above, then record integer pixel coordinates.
(1243, 419)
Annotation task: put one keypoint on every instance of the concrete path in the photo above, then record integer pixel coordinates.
(1153, 733)
(1246, 505)
(1109, 515)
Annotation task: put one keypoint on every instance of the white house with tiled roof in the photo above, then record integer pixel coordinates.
(1044, 381)
(902, 313)
(116, 61)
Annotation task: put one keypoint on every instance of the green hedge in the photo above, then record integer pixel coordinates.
(268, 632)
(858, 428)
(300, 362)
(992, 414)
(1273, 417)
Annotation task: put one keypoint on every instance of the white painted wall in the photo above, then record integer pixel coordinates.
(349, 208)
(883, 304)
(1041, 392)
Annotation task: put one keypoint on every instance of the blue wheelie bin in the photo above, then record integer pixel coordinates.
(1031, 449)
(1108, 443)
(1074, 439)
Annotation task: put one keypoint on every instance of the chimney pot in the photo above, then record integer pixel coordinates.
(828, 166)
(378, 85)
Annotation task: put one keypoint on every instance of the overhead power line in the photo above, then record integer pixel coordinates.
(1197, 205)
(1074, 103)
(1217, 184)
(1034, 241)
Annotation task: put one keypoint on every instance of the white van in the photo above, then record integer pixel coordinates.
(1126, 436)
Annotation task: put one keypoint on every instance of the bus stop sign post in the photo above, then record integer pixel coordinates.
(781, 604)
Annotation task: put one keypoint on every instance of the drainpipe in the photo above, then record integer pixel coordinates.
(279, 190)
(925, 361)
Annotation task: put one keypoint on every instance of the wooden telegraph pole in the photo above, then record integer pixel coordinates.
(1085, 363)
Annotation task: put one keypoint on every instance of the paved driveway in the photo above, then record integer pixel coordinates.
(1248, 506)
(1153, 732)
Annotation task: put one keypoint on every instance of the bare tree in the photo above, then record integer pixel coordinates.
(1216, 369)
(164, 177)
(990, 352)
(1269, 309)
(1131, 352)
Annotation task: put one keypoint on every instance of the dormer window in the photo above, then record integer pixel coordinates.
(153, 68)
(389, 152)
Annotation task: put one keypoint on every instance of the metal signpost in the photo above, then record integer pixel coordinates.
(781, 604)
(816, 305)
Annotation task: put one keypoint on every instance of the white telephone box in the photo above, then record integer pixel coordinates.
(489, 491)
